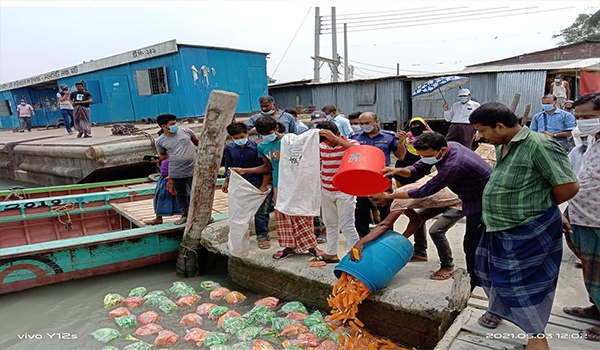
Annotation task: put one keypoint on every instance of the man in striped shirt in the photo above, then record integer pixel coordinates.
(338, 207)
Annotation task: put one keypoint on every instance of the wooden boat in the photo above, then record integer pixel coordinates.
(60, 233)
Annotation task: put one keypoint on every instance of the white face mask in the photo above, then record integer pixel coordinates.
(589, 126)
(355, 127)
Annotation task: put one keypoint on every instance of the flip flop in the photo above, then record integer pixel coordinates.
(486, 320)
(438, 276)
(590, 312)
(180, 221)
(594, 332)
(317, 253)
(327, 261)
(264, 244)
(282, 254)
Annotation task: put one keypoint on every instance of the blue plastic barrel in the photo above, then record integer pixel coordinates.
(382, 259)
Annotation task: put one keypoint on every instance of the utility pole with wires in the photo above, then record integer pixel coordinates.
(335, 61)
(317, 66)
(346, 68)
(334, 54)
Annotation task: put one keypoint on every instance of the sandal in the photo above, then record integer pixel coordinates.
(282, 254)
(181, 221)
(321, 240)
(264, 244)
(590, 312)
(488, 320)
(442, 274)
(592, 334)
(325, 260)
(418, 258)
(315, 252)
(153, 222)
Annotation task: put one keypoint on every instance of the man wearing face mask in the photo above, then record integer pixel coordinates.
(583, 237)
(340, 121)
(462, 171)
(554, 122)
(568, 106)
(268, 108)
(386, 141)
(354, 123)
(179, 145)
(461, 130)
(24, 112)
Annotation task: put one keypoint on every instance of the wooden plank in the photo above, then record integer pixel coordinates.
(450, 336)
(460, 344)
(482, 343)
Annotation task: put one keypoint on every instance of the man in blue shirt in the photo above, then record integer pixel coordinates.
(554, 122)
(268, 108)
(340, 121)
(300, 126)
(243, 153)
(386, 141)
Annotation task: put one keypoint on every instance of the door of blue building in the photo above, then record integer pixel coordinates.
(117, 97)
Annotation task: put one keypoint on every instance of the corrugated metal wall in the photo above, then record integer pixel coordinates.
(530, 85)
(345, 97)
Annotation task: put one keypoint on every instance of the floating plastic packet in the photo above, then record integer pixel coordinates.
(310, 340)
(155, 299)
(328, 345)
(167, 305)
(245, 345)
(188, 300)
(112, 299)
(149, 329)
(219, 293)
(230, 313)
(196, 336)
(234, 324)
(256, 309)
(321, 330)
(154, 293)
(209, 285)
(270, 302)
(166, 339)
(268, 333)
(204, 309)
(259, 344)
(104, 335)
(217, 312)
(216, 338)
(328, 319)
(314, 319)
(220, 347)
(181, 288)
(134, 301)
(118, 312)
(126, 321)
(338, 336)
(138, 292)
(148, 317)
(293, 330)
(294, 306)
(138, 346)
(191, 319)
(279, 323)
(234, 297)
(109, 347)
(248, 333)
(265, 317)
(131, 338)
(298, 316)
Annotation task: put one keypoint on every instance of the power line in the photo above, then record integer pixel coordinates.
(461, 20)
(388, 14)
(436, 17)
(372, 65)
(286, 50)
(369, 13)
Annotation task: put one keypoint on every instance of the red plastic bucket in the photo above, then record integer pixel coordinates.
(360, 172)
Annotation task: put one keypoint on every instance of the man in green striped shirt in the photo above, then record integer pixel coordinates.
(519, 255)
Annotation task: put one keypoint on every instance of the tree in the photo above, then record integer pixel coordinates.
(585, 27)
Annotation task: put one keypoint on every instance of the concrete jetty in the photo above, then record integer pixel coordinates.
(52, 157)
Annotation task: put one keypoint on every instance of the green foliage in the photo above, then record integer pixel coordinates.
(585, 27)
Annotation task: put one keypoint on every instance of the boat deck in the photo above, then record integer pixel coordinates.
(563, 331)
(140, 211)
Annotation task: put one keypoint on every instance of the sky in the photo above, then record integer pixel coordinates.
(37, 37)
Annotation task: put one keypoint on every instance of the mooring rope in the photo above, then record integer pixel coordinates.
(64, 209)
(14, 192)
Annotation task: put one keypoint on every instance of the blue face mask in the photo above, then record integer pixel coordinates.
(585, 142)
(367, 128)
(463, 99)
(548, 106)
(174, 129)
(557, 80)
(241, 142)
(23, 103)
(270, 137)
(431, 160)
(330, 118)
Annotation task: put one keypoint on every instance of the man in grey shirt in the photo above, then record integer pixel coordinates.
(179, 145)
(268, 108)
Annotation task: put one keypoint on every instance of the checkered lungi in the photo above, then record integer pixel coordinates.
(585, 243)
(296, 232)
(164, 201)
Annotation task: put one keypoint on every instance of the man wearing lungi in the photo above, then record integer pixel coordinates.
(584, 238)
(81, 100)
(519, 255)
(458, 114)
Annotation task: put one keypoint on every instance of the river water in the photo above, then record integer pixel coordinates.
(75, 309)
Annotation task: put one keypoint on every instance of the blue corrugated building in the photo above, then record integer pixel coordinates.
(162, 78)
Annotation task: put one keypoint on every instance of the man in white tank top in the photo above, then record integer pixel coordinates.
(560, 89)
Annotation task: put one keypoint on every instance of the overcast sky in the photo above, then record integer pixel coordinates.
(35, 38)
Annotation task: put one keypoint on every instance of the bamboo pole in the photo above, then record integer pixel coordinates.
(219, 113)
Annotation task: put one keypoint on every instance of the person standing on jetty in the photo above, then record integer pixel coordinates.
(458, 114)
(81, 100)
(462, 171)
(269, 109)
(519, 255)
(24, 112)
(179, 145)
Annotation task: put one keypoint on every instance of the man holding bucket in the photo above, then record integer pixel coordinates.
(462, 171)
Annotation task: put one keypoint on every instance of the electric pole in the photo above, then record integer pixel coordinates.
(334, 54)
(317, 75)
(346, 67)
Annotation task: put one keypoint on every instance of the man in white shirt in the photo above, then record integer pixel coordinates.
(461, 130)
